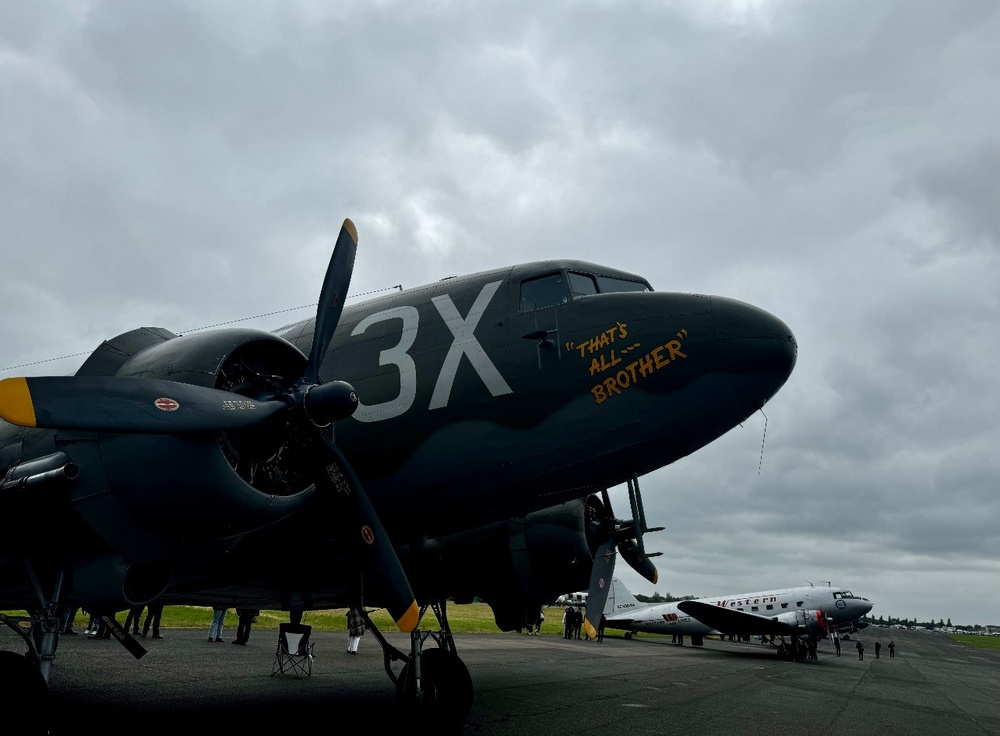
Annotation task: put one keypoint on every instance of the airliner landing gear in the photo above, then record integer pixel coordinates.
(434, 687)
(793, 651)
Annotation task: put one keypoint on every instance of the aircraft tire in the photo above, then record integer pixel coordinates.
(447, 690)
(23, 684)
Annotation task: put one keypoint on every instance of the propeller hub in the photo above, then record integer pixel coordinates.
(326, 403)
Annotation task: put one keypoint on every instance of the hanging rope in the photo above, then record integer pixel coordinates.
(759, 464)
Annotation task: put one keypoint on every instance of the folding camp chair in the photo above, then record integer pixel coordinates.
(294, 654)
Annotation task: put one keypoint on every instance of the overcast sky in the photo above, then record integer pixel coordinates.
(186, 164)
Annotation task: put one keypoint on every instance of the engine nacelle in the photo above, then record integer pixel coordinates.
(518, 565)
(108, 582)
(195, 487)
(806, 622)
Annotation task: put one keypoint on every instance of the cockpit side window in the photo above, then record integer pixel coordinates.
(547, 291)
(581, 284)
(607, 285)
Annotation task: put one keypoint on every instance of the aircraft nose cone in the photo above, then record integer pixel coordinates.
(755, 340)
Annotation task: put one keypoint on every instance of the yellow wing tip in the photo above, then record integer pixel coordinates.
(15, 402)
(409, 620)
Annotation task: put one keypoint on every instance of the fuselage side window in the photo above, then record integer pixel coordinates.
(547, 291)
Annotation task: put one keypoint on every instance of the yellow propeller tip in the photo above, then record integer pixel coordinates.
(591, 631)
(409, 620)
(351, 230)
(16, 406)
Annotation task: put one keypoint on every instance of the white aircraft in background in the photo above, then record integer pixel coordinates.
(801, 614)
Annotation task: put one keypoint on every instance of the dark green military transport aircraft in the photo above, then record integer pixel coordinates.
(441, 443)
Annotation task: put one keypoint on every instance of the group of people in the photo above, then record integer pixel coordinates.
(246, 618)
(572, 622)
(98, 629)
(878, 649)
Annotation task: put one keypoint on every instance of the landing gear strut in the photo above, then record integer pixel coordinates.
(795, 650)
(434, 687)
(26, 677)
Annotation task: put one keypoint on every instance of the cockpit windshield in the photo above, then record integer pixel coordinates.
(550, 290)
(584, 283)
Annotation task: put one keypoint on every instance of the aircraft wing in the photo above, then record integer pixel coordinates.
(729, 621)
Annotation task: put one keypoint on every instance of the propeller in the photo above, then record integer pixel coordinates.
(144, 405)
(617, 537)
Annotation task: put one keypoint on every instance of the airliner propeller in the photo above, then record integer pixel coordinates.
(144, 405)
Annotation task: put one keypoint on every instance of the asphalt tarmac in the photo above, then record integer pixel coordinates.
(534, 685)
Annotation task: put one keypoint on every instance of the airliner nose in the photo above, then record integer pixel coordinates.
(756, 341)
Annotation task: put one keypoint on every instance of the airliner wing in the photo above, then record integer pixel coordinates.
(729, 621)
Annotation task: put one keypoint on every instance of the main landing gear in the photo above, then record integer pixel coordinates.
(434, 687)
(25, 677)
(21, 675)
(795, 650)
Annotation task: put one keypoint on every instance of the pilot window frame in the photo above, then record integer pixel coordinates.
(554, 293)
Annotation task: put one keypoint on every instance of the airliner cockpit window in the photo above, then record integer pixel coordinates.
(607, 285)
(547, 291)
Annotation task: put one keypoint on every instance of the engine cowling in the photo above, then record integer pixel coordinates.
(518, 565)
(806, 622)
(201, 486)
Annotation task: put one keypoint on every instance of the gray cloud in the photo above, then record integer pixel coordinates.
(182, 165)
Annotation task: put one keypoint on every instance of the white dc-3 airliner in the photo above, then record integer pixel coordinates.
(802, 614)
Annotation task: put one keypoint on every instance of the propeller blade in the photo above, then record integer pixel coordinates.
(380, 565)
(600, 582)
(331, 298)
(638, 561)
(115, 404)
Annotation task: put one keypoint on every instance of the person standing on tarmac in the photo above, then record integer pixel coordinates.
(861, 649)
(355, 629)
